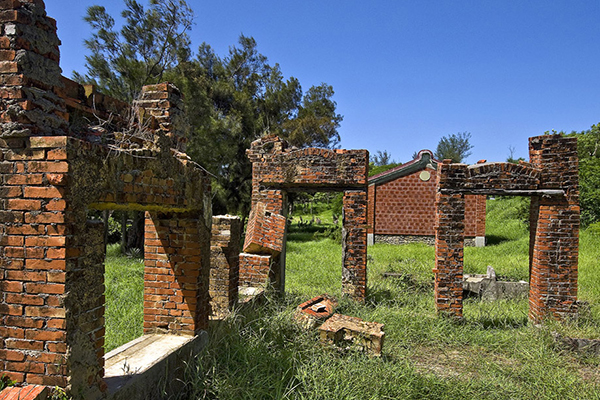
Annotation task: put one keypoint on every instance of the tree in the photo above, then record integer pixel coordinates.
(511, 156)
(150, 42)
(588, 150)
(455, 147)
(382, 158)
(237, 99)
(230, 100)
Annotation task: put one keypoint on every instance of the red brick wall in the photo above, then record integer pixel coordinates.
(175, 276)
(224, 263)
(255, 270)
(406, 206)
(51, 256)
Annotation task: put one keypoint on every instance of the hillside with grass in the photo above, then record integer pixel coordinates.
(494, 353)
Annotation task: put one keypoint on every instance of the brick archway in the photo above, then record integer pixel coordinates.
(277, 170)
(551, 180)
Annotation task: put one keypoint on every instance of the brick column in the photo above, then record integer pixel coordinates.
(449, 245)
(85, 305)
(354, 244)
(224, 263)
(554, 243)
(177, 260)
(371, 215)
(33, 230)
(164, 102)
(33, 239)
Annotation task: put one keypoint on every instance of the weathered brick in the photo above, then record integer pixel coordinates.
(553, 281)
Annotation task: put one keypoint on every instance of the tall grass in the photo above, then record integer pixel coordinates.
(494, 353)
(124, 281)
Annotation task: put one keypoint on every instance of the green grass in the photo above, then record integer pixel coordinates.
(494, 353)
(124, 281)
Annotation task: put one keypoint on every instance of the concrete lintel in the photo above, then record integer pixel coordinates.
(506, 192)
(138, 369)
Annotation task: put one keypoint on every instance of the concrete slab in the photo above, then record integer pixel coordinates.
(137, 369)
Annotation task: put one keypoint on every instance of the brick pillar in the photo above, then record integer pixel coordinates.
(554, 243)
(449, 245)
(224, 263)
(29, 71)
(33, 251)
(84, 304)
(354, 244)
(164, 102)
(177, 259)
(371, 215)
(33, 230)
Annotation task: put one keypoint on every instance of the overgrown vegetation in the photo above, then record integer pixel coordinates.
(588, 150)
(260, 353)
(231, 100)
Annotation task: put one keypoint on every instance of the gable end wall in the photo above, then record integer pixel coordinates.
(406, 206)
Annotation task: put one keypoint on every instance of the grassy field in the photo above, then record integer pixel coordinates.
(494, 353)
(124, 281)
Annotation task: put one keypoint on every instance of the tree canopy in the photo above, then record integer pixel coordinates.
(455, 147)
(588, 149)
(230, 100)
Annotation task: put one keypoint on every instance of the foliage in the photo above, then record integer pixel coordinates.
(150, 42)
(377, 169)
(455, 147)
(58, 393)
(381, 158)
(238, 98)
(588, 150)
(5, 382)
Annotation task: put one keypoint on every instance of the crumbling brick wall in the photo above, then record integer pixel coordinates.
(54, 170)
(551, 179)
(278, 169)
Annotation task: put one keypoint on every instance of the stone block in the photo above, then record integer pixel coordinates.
(353, 333)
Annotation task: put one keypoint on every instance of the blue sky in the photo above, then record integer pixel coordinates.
(407, 73)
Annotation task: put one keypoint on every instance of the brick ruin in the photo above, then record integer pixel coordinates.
(278, 169)
(551, 180)
(55, 167)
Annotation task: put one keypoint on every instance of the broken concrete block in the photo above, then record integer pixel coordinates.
(487, 287)
(316, 310)
(354, 333)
